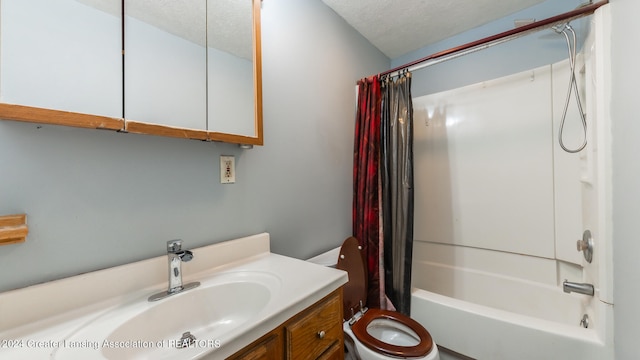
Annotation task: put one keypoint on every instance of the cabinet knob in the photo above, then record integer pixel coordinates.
(321, 334)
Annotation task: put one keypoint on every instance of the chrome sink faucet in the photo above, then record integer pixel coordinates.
(176, 256)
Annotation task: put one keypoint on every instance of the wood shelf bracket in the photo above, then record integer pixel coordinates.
(13, 229)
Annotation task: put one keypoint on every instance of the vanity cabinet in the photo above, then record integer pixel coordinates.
(314, 333)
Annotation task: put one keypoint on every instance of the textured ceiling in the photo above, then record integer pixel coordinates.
(229, 22)
(396, 27)
(400, 26)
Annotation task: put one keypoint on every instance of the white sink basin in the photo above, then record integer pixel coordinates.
(214, 313)
(246, 292)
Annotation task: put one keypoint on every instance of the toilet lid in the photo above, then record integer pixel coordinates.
(423, 347)
(355, 290)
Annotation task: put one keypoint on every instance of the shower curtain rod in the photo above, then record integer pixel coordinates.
(496, 39)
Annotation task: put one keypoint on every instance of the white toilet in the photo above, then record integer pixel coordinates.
(374, 333)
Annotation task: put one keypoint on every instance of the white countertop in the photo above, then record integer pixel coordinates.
(38, 321)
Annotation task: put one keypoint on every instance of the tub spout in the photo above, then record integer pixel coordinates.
(586, 289)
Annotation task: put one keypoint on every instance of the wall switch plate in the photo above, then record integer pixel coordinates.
(227, 170)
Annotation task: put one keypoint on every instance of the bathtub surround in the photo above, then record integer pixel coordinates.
(625, 169)
(500, 204)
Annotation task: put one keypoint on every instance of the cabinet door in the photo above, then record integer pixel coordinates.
(165, 63)
(234, 66)
(315, 332)
(230, 67)
(335, 352)
(268, 347)
(62, 55)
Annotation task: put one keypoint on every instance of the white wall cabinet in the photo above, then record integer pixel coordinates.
(62, 55)
(230, 63)
(191, 69)
(166, 63)
(183, 68)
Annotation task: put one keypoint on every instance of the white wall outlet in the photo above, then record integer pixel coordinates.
(227, 170)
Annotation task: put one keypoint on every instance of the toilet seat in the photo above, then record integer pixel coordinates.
(359, 329)
(359, 317)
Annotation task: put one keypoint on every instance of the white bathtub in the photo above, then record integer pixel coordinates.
(484, 332)
(462, 297)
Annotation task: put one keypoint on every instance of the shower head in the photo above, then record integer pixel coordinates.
(561, 28)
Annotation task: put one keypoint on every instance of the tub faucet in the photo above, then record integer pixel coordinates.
(586, 289)
(176, 256)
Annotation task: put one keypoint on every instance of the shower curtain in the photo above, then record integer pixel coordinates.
(397, 189)
(366, 191)
(383, 188)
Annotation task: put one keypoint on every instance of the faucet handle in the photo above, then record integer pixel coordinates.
(186, 255)
(586, 245)
(173, 246)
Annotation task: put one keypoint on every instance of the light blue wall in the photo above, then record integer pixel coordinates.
(300, 187)
(537, 49)
(97, 199)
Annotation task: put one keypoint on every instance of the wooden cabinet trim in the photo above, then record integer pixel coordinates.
(58, 117)
(136, 127)
(67, 118)
(235, 139)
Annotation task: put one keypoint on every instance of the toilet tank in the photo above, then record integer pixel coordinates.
(328, 258)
